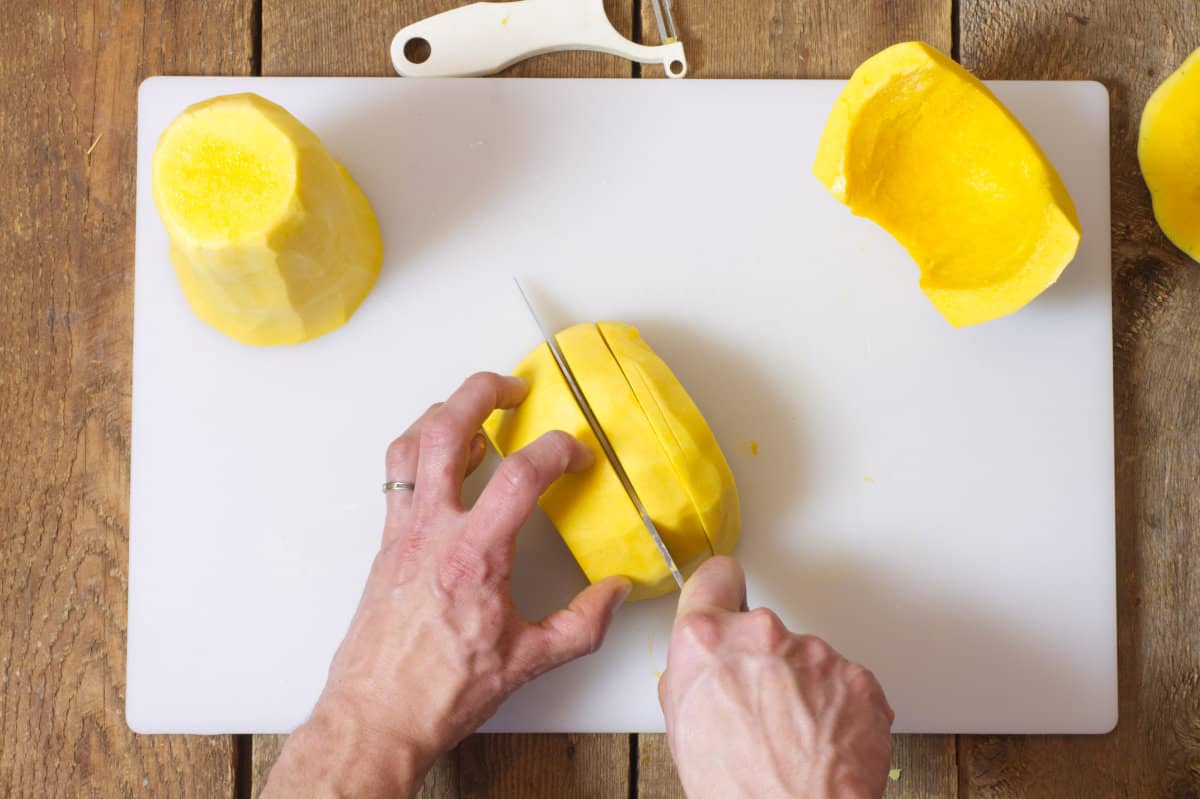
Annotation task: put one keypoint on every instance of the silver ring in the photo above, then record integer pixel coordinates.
(397, 485)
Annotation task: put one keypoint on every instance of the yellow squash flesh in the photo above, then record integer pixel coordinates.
(633, 437)
(591, 510)
(272, 241)
(1169, 153)
(919, 145)
(697, 460)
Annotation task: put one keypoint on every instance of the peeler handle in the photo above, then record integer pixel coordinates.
(484, 38)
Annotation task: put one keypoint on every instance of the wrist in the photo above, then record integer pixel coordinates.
(335, 753)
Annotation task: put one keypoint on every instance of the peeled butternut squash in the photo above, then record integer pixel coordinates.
(919, 145)
(663, 443)
(272, 241)
(1169, 154)
(690, 446)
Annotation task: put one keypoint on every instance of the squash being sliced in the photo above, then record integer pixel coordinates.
(919, 145)
(272, 241)
(662, 442)
(590, 509)
(1169, 154)
(697, 460)
(639, 450)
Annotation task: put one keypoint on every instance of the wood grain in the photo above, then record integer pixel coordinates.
(927, 767)
(264, 752)
(550, 766)
(926, 763)
(319, 37)
(326, 37)
(67, 150)
(795, 38)
(656, 773)
(1155, 750)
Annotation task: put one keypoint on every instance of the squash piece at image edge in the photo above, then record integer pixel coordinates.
(1169, 154)
(919, 145)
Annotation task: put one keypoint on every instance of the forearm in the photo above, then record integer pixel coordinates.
(333, 755)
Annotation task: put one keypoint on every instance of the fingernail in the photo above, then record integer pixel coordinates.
(625, 592)
(585, 459)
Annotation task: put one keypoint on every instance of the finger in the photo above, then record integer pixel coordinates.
(718, 585)
(475, 452)
(401, 462)
(442, 464)
(574, 631)
(509, 497)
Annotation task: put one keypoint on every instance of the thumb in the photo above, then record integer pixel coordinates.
(719, 584)
(577, 629)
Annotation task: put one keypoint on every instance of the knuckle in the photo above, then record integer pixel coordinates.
(698, 630)
(401, 452)
(481, 381)
(518, 474)
(560, 443)
(767, 626)
(441, 430)
(593, 640)
(816, 649)
(861, 677)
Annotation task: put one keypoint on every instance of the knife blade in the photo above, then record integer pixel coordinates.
(598, 431)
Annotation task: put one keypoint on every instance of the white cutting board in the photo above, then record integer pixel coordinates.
(937, 503)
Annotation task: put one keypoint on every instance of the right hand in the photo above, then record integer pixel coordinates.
(754, 710)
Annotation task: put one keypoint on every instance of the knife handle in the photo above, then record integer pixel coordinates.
(484, 38)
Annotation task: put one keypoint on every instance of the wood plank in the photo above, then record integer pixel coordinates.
(537, 766)
(319, 37)
(926, 768)
(1155, 750)
(506, 767)
(67, 149)
(815, 39)
(795, 38)
(656, 773)
(264, 752)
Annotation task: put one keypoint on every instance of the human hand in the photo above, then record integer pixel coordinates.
(436, 644)
(757, 711)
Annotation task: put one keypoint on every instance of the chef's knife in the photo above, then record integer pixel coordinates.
(605, 444)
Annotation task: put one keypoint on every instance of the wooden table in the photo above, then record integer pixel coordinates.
(67, 150)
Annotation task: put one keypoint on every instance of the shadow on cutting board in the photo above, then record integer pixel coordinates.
(936, 656)
(745, 410)
(427, 190)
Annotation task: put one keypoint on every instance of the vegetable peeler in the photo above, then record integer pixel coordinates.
(484, 38)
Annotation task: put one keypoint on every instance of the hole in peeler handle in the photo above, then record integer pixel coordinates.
(417, 50)
(675, 68)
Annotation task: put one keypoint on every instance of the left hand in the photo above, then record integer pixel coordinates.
(436, 644)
